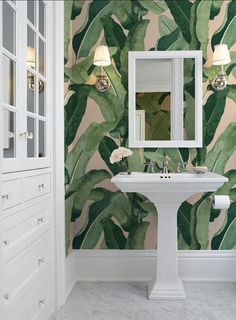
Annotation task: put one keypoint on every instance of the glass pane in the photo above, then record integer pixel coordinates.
(30, 92)
(8, 27)
(41, 17)
(42, 142)
(30, 48)
(153, 99)
(8, 70)
(8, 134)
(31, 11)
(41, 57)
(41, 98)
(31, 137)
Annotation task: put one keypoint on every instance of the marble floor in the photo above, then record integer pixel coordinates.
(127, 301)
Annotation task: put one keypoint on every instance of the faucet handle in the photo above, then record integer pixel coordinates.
(184, 164)
(179, 165)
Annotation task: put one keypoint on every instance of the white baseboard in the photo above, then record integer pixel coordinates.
(139, 265)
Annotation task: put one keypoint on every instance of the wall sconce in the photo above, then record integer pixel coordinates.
(101, 59)
(221, 57)
(30, 76)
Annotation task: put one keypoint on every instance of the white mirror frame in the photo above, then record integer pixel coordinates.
(135, 55)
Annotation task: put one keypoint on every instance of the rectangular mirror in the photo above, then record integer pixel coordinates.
(165, 99)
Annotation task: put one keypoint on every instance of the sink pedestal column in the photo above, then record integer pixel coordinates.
(167, 192)
(166, 284)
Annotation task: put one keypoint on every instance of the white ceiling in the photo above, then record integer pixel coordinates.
(153, 75)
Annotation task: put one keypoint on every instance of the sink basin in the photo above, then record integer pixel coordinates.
(179, 176)
(167, 192)
(182, 184)
(148, 175)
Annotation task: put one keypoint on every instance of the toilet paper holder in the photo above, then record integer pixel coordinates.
(211, 199)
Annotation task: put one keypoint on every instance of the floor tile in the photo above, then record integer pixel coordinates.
(128, 301)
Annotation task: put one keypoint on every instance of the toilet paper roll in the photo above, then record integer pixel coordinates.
(221, 202)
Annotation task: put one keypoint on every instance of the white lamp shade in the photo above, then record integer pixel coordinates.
(102, 56)
(221, 55)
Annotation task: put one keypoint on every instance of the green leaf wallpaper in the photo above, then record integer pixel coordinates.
(97, 214)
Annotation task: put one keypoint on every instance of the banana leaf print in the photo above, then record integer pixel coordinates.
(97, 215)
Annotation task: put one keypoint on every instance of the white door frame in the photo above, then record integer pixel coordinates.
(58, 153)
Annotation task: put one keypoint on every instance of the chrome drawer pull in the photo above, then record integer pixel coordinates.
(5, 196)
(42, 302)
(40, 221)
(5, 243)
(43, 186)
(41, 261)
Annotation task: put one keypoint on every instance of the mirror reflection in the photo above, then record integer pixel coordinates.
(162, 84)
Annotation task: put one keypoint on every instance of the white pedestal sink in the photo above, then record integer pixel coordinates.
(167, 192)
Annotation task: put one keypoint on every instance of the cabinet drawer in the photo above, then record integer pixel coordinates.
(11, 193)
(24, 227)
(21, 276)
(36, 186)
(37, 303)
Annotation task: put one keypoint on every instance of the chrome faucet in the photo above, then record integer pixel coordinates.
(165, 166)
(151, 166)
(179, 165)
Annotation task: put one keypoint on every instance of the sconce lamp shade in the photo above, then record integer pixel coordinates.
(221, 55)
(30, 57)
(102, 56)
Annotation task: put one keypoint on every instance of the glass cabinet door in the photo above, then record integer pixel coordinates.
(25, 76)
(37, 115)
(9, 64)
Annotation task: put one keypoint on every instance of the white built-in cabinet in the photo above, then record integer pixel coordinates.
(25, 98)
(26, 220)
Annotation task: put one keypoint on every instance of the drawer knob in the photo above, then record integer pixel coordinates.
(6, 297)
(5, 243)
(42, 186)
(40, 220)
(41, 261)
(5, 196)
(42, 302)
